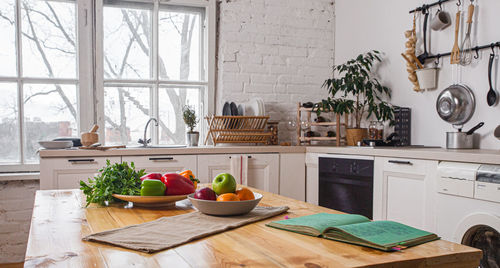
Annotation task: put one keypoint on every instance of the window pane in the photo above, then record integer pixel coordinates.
(8, 40)
(127, 110)
(49, 39)
(50, 111)
(179, 45)
(127, 43)
(171, 101)
(9, 125)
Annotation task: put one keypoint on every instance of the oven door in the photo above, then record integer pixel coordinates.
(346, 185)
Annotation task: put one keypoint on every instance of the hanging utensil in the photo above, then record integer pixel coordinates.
(492, 96)
(456, 105)
(455, 52)
(465, 48)
(422, 57)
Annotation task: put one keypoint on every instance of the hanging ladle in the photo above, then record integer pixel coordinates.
(422, 57)
(492, 96)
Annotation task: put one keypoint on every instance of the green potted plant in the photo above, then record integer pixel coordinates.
(357, 92)
(191, 120)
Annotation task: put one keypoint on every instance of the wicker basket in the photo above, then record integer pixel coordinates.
(237, 129)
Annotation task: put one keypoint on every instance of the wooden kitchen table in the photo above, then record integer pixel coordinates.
(60, 220)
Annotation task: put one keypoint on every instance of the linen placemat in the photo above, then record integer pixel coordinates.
(168, 232)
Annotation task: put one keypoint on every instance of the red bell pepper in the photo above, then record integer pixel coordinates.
(152, 176)
(177, 184)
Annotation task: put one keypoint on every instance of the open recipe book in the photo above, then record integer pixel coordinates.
(357, 229)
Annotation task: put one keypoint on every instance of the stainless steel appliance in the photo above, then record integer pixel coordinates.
(346, 183)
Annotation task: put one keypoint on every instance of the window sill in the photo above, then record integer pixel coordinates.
(19, 176)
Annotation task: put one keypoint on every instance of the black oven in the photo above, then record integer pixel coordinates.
(346, 184)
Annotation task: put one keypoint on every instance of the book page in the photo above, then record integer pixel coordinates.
(322, 221)
(383, 232)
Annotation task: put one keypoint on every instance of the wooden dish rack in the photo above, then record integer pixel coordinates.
(337, 124)
(237, 129)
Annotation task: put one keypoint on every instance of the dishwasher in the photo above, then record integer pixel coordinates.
(346, 183)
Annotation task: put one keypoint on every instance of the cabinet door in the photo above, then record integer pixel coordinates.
(404, 191)
(312, 179)
(263, 172)
(293, 176)
(163, 163)
(66, 173)
(211, 165)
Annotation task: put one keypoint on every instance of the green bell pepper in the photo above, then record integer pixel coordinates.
(152, 188)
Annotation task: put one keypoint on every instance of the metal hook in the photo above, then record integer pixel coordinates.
(492, 48)
(459, 3)
(440, 7)
(437, 59)
(477, 53)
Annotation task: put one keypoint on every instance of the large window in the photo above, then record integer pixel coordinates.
(68, 64)
(38, 76)
(154, 65)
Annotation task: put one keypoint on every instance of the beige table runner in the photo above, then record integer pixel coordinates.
(168, 232)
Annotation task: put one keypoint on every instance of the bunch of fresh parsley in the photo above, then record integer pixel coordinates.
(119, 178)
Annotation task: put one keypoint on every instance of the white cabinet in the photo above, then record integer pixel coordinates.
(66, 173)
(293, 176)
(404, 191)
(263, 172)
(312, 179)
(211, 165)
(260, 171)
(163, 163)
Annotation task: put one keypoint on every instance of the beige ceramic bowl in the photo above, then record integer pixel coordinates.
(226, 208)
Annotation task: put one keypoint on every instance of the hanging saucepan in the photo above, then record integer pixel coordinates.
(456, 105)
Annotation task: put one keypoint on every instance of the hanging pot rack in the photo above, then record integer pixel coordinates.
(425, 9)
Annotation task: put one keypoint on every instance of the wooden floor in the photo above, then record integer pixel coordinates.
(12, 265)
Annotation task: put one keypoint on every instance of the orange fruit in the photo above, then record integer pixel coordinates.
(228, 197)
(245, 194)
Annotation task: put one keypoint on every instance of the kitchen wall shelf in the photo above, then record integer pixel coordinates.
(339, 139)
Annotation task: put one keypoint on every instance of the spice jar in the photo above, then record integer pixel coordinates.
(372, 130)
(380, 130)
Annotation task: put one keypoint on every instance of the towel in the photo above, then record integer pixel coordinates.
(169, 232)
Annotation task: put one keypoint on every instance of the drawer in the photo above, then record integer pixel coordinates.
(487, 191)
(163, 163)
(456, 187)
(405, 165)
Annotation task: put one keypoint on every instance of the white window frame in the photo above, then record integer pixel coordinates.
(209, 59)
(90, 81)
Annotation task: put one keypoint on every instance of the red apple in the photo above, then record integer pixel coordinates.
(205, 194)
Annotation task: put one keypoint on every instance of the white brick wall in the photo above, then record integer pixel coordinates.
(16, 206)
(280, 50)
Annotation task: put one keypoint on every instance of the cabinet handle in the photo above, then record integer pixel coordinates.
(248, 157)
(74, 161)
(161, 158)
(401, 162)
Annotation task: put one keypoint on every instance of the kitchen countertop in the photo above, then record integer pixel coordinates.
(60, 220)
(473, 156)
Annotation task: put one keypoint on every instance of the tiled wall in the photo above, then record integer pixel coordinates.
(279, 50)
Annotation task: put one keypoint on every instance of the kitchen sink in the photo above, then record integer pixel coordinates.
(156, 146)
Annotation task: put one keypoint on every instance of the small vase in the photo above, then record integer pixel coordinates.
(353, 135)
(192, 138)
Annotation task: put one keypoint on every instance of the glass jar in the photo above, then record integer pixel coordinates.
(372, 130)
(380, 130)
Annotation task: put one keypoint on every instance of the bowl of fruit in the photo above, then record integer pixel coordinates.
(223, 199)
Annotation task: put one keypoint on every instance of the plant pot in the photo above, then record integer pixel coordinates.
(353, 135)
(192, 138)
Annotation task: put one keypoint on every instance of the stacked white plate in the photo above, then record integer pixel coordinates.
(254, 107)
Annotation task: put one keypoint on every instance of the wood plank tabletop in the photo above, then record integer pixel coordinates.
(60, 220)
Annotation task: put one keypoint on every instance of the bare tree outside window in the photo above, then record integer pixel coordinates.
(49, 46)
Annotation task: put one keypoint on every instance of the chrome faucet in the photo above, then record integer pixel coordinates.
(145, 141)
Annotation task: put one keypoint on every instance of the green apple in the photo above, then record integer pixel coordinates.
(224, 183)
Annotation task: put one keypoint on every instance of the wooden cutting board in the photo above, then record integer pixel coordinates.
(103, 148)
